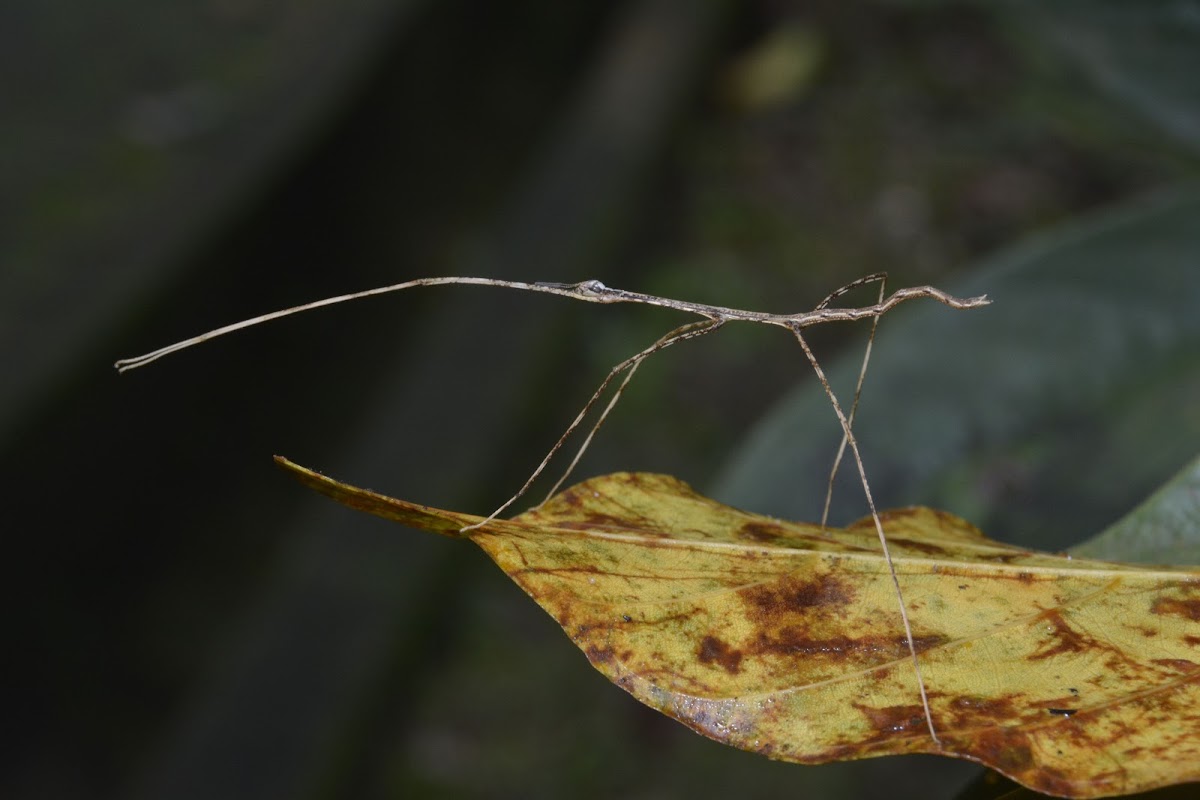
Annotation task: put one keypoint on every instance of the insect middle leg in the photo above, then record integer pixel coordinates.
(629, 366)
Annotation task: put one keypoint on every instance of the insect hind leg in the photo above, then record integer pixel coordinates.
(881, 279)
(848, 435)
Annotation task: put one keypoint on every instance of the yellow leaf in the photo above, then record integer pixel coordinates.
(1073, 677)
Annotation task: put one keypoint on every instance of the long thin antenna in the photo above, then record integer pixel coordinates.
(126, 364)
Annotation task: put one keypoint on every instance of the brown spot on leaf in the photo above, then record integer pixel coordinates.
(760, 531)
(1067, 639)
(890, 720)
(1189, 609)
(713, 650)
(972, 711)
(769, 602)
(921, 547)
(1005, 749)
(600, 655)
(1194, 641)
(1179, 664)
(595, 519)
(793, 640)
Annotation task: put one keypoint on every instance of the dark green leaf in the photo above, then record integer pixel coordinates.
(1145, 55)
(1165, 529)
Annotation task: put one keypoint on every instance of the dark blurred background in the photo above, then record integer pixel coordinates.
(187, 622)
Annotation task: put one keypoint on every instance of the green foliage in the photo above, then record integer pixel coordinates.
(1165, 529)
(1142, 54)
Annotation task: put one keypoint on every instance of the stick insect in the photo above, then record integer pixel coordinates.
(712, 318)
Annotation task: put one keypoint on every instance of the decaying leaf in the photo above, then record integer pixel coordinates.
(1073, 677)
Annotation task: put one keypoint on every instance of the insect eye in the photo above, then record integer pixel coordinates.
(592, 287)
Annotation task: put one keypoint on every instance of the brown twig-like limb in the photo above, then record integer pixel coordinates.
(693, 330)
(881, 278)
(887, 555)
(690, 331)
(714, 317)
